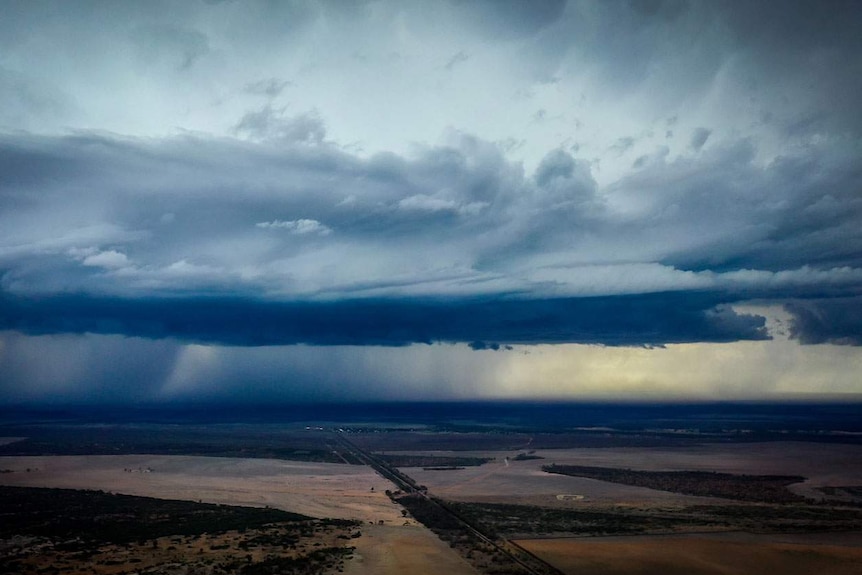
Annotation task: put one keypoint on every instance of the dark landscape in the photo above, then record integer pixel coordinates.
(523, 486)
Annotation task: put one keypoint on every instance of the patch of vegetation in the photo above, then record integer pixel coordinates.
(842, 491)
(502, 439)
(778, 518)
(526, 456)
(433, 461)
(95, 516)
(314, 562)
(63, 530)
(503, 520)
(429, 513)
(310, 446)
(761, 488)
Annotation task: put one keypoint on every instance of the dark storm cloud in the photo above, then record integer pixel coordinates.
(276, 210)
(835, 321)
(810, 50)
(621, 320)
(798, 61)
(125, 222)
(777, 217)
(308, 189)
(804, 50)
(797, 26)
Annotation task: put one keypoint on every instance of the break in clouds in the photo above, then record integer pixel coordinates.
(486, 174)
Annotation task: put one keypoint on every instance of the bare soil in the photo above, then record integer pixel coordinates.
(398, 545)
(315, 489)
(388, 550)
(506, 480)
(728, 554)
(524, 482)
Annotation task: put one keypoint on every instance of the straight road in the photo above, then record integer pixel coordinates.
(408, 485)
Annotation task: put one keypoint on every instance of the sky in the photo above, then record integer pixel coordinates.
(260, 201)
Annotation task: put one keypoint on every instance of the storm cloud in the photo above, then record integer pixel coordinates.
(392, 250)
(481, 174)
(619, 320)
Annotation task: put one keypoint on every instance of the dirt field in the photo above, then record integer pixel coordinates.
(701, 555)
(387, 550)
(524, 481)
(315, 489)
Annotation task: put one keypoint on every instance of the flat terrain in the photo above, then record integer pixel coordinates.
(506, 480)
(524, 482)
(723, 554)
(475, 488)
(78, 532)
(314, 489)
(389, 550)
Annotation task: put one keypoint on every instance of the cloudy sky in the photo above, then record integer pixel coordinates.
(293, 201)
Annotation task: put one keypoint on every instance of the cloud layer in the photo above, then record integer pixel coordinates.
(287, 229)
(619, 320)
(227, 175)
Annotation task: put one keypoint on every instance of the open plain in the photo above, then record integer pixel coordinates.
(718, 554)
(315, 489)
(390, 543)
(507, 480)
(479, 499)
(392, 550)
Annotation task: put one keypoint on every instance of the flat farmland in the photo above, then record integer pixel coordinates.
(720, 554)
(323, 490)
(524, 482)
(505, 479)
(491, 481)
(314, 489)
